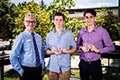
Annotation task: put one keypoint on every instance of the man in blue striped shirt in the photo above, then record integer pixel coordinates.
(59, 45)
(23, 57)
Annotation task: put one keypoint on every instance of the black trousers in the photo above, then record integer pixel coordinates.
(90, 70)
(31, 73)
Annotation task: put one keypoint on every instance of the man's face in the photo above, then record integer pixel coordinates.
(89, 19)
(58, 21)
(30, 23)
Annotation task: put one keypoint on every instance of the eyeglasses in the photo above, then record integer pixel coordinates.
(89, 17)
(30, 21)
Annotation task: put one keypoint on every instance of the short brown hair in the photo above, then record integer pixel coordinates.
(59, 14)
(92, 11)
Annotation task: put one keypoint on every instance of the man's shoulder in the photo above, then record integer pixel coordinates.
(101, 29)
(50, 33)
(38, 35)
(20, 35)
(67, 31)
(82, 30)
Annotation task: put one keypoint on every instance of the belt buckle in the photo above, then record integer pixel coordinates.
(89, 62)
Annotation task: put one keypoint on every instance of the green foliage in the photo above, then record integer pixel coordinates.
(11, 20)
(74, 25)
(110, 22)
(7, 14)
(60, 6)
(43, 15)
(43, 20)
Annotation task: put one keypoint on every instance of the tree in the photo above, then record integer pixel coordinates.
(60, 6)
(7, 14)
(74, 25)
(42, 17)
(110, 22)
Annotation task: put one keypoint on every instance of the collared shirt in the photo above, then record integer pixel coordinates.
(55, 42)
(98, 37)
(23, 52)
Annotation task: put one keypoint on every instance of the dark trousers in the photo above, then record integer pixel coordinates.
(31, 73)
(90, 70)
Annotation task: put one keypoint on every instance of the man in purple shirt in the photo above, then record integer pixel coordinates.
(92, 41)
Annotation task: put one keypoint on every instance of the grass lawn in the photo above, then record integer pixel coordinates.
(11, 78)
(13, 75)
(75, 73)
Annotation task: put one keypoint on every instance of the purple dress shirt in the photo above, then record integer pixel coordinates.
(98, 37)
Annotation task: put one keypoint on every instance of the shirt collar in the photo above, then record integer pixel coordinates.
(63, 30)
(26, 31)
(94, 29)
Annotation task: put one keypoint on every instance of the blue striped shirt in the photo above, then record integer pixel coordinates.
(23, 52)
(55, 42)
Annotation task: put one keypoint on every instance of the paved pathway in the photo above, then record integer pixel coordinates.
(74, 79)
(7, 67)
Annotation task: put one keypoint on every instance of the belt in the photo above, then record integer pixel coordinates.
(26, 67)
(90, 62)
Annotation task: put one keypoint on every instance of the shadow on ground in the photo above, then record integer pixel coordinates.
(11, 73)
